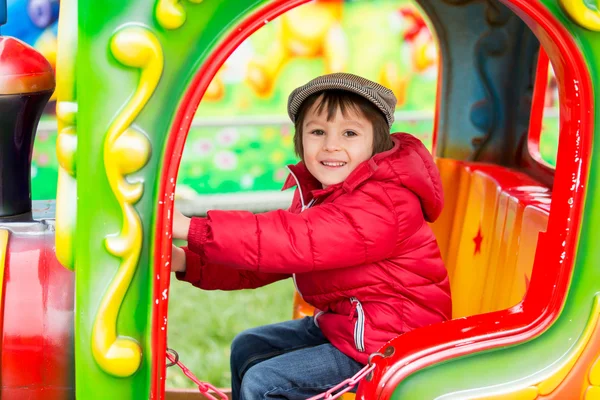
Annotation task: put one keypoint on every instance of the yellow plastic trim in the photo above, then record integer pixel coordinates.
(170, 14)
(3, 248)
(581, 14)
(126, 150)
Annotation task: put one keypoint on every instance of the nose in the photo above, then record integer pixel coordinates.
(331, 142)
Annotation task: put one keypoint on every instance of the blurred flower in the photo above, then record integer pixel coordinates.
(269, 134)
(247, 181)
(277, 157)
(256, 170)
(43, 159)
(227, 137)
(202, 147)
(196, 170)
(280, 174)
(225, 160)
(287, 142)
(41, 136)
(286, 130)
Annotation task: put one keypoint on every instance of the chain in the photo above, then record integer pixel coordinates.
(204, 387)
(333, 393)
(349, 383)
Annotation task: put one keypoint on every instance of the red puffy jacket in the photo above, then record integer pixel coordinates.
(363, 254)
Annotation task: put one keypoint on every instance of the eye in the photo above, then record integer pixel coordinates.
(350, 133)
(317, 132)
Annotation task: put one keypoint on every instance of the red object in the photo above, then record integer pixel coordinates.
(203, 387)
(477, 240)
(366, 240)
(345, 386)
(37, 355)
(418, 23)
(23, 69)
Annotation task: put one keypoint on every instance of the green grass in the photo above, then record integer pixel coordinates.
(549, 141)
(202, 325)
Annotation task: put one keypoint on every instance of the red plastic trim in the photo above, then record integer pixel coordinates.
(172, 158)
(553, 267)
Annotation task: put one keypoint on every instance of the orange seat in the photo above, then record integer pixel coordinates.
(484, 233)
(301, 308)
(535, 220)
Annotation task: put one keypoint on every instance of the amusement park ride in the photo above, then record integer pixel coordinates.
(85, 279)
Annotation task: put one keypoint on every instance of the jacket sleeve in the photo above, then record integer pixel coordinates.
(220, 277)
(359, 227)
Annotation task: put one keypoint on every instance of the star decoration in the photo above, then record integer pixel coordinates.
(478, 239)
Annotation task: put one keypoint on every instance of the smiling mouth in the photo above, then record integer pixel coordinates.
(332, 164)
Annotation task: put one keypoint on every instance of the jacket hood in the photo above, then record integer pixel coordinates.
(408, 164)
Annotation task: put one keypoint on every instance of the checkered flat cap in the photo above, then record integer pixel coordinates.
(382, 97)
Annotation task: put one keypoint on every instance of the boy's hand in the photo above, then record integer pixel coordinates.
(177, 259)
(181, 225)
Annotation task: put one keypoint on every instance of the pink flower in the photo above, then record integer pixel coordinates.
(280, 174)
(42, 136)
(227, 137)
(203, 147)
(225, 160)
(43, 159)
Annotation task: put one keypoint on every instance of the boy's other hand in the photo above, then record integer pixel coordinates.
(181, 225)
(177, 259)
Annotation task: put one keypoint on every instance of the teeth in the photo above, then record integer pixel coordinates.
(333, 164)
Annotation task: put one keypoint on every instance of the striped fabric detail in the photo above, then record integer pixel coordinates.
(382, 97)
(359, 326)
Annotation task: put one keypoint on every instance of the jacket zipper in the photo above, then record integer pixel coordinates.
(359, 325)
(294, 275)
(304, 207)
(299, 188)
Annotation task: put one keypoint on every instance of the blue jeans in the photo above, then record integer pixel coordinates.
(291, 360)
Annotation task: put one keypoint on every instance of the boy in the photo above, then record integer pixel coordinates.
(355, 241)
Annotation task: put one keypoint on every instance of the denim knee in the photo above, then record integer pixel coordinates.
(258, 381)
(239, 351)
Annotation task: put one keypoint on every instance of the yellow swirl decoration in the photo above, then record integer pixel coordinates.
(126, 150)
(582, 14)
(170, 14)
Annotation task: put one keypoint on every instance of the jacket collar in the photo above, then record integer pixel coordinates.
(311, 188)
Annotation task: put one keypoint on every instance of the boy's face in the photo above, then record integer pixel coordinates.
(333, 149)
